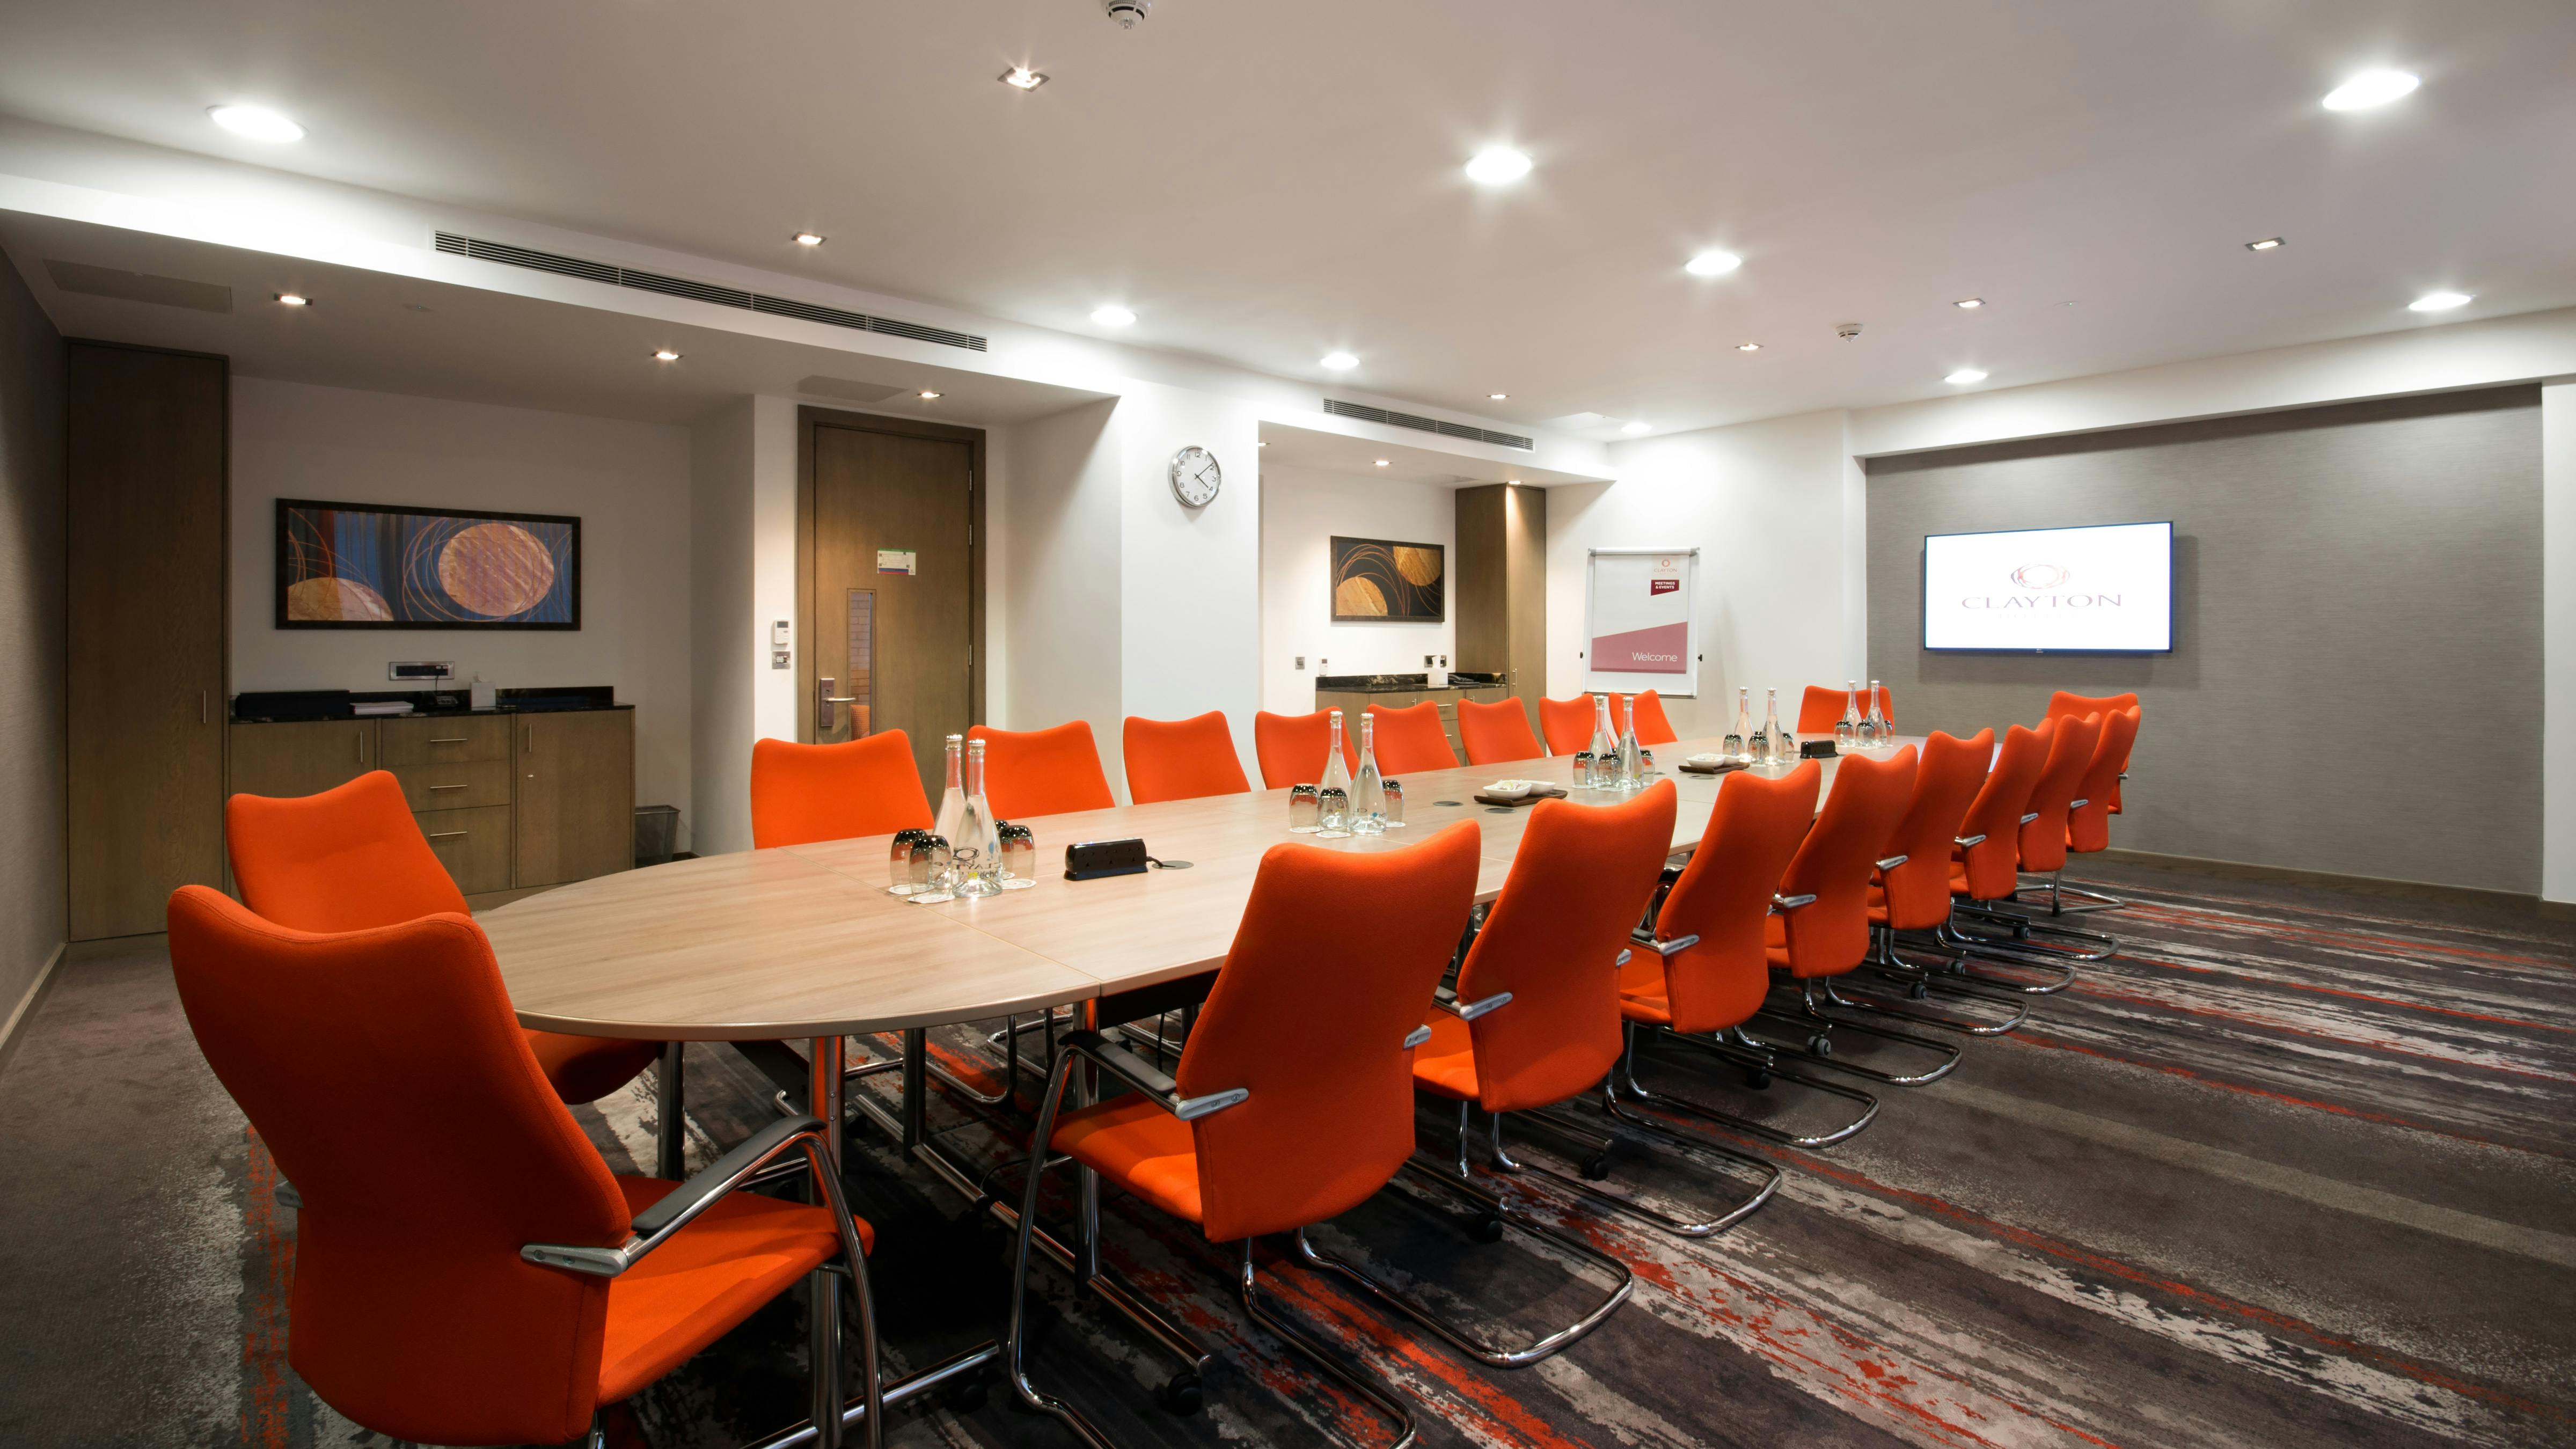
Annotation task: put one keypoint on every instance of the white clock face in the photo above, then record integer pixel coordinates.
(1195, 476)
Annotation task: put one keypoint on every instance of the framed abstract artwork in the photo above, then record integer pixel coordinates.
(1376, 581)
(372, 566)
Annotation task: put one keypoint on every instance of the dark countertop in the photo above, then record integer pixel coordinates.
(328, 704)
(1402, 683)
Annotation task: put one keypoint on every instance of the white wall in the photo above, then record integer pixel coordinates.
(1764, 503)
(2558, 641)
(1302, 510)
(742, 511)
(1054, 565)
(627, 482)
(33, 580)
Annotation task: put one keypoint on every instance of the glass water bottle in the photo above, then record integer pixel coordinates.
(1738, 744)
(976, 848)
(1335, 786)
(1877, 727)
(1368, 792)
(1847, 729)
(952, 808)
(1781, 746)
(1604, 747)
(1630, 771)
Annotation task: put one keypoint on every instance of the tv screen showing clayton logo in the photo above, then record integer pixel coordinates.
(2103, 590)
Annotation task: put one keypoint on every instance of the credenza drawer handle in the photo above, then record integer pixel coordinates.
(455, 740)
(435, 788)
(446, 834)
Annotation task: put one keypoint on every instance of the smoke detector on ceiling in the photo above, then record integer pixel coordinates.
(1127, 12)
(1847, 330)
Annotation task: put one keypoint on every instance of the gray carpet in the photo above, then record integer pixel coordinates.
(2293, 1169)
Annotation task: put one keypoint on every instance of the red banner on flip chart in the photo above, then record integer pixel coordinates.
(1663, 649)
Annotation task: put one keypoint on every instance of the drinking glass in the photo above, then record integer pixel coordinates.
(1645, 763)
(1394, 803)
(1019, 856)
(1333, 811)
(1303, 812)
(934, 877)
(899, 862)
(1585, 777)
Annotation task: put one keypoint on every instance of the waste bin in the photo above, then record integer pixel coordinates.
(657, 833)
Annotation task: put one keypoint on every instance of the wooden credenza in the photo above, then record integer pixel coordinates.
(1353, 703)
(508, 801)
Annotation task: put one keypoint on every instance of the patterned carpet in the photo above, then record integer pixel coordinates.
(2294, 1168)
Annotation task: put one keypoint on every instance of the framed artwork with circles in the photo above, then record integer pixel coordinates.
(376, 566)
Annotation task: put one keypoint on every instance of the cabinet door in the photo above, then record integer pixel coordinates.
(301, 758)
(145, 448)
(576, 795)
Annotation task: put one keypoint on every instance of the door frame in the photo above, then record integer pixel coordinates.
(808, 419)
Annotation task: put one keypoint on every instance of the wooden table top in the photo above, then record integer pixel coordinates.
(805, 941)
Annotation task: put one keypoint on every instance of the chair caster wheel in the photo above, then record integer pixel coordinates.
(1596, 1168)
(1181, 1394)
(966, 1398)
(1821, 1044)
(1919, 991)
(1485, 1228)
(1757, 1078)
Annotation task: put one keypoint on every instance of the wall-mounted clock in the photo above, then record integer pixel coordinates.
(1196, 477)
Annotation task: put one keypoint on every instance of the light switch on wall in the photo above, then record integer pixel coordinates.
(1301, 661)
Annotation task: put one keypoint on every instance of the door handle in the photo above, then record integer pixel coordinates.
(824, 699)
(205, 708)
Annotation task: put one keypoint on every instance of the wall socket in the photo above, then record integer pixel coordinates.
(1301, 661)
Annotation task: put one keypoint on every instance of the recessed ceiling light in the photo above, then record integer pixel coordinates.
(1113, 315)
(1021, 78)
(2371, 88)
(664, 354)
(1498, 165)
(1964, 376)
(2439, 301)
(1381, 462)
(293, 299)
(1264, 443)
(929, 394)
(257, 122)
(809, 238)
(1712, 264)
(1633, 429)
(1340, 361)
(2267, 244)
(1748, 347)
(1969, 304)
(1496, 396)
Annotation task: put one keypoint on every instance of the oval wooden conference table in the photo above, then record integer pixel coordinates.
(805, 942)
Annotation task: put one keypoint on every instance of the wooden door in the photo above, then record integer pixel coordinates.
(575, 814)
(302, 757)
(146, 691)
(890, 616)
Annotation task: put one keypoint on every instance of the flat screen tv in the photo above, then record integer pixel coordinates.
(2107, 589)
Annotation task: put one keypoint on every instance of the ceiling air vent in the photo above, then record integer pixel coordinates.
(492, 251)
(1367, 414)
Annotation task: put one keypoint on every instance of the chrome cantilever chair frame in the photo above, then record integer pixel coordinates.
(656, 1224)
(1759, 1061)
(1819, 1044)
(1157, 1087)
(1919, 978)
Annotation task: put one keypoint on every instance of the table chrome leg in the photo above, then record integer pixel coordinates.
(671, 1132)
(916, 1103)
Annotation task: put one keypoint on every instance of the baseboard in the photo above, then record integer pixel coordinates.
(2368, 884)
(26, 1004)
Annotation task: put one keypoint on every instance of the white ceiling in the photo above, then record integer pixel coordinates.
(1290, 446)
(1263, 182)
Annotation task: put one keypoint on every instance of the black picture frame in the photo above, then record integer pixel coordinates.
(415, 601)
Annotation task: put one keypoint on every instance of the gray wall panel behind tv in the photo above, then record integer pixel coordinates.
(2355, 681)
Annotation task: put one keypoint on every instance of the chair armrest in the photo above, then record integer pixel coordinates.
(1416, 1037)
(1965, 842)
(1790, 903)
(1666, 948)
(2078, 804)
(2034, 815)
(1622, 958)
(1148, 1079)
(1447, 1000)
(1892, 862)
(654, 1226)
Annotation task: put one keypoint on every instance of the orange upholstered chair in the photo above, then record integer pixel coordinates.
(1652, 728)
(2088, 818)
(1042, 772)
(1822, 707)
(1821, 930)
(1567, 723)
(1706, 968)
(352, 858)
(1291, 747)
(1912, 890)
(804, 793)
(1497, 733)
(1986, 863)
(1409, 740)
(2043, 823)
(478, 1277)
(2063, 703)
(1293, 1099)
(1177, 759)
